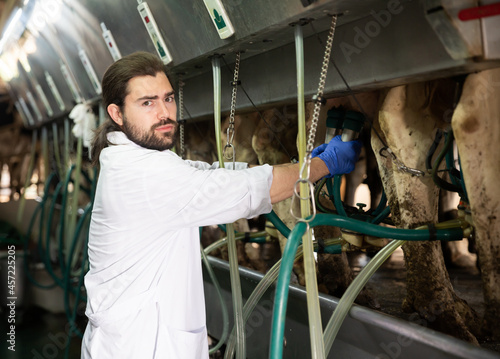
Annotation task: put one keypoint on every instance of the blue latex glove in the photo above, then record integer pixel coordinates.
(340, 157)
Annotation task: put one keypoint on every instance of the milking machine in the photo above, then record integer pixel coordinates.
(360, 229)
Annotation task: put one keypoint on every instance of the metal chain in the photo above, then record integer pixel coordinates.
(181, 120)
(400, 165)
(230, 130)
(318, 98)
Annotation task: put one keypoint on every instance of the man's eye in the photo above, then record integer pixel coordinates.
(170, 99)
(147, 103)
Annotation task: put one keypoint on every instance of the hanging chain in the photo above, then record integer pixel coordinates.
(181, 120)
(230, 130)
(319, 100)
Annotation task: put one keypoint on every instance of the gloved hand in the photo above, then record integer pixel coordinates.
(340, 157)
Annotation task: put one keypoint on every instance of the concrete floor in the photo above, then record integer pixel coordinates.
(388, 286)
(39, 334)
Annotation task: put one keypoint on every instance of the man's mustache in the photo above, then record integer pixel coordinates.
(165, 122)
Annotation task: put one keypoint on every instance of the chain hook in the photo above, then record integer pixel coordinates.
(230, 156)
(399, 164)
(310, 196)
(231, 129)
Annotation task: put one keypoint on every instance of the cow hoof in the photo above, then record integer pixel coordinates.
(465, 261)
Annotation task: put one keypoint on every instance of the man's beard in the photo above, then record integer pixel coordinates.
(151, 139)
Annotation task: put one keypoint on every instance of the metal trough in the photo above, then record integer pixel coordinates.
(364, 334)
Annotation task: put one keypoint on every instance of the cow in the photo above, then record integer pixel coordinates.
(476, 127)
(15, 149)
(409, 116)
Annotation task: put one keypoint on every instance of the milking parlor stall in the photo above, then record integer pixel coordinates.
(398, 259)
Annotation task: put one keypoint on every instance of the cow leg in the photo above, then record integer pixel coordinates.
(408, 124)
(476, 128)
(198, 145)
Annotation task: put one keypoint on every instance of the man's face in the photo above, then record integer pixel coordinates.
(149, 112)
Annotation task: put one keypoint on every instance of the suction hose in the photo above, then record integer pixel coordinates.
(57, 154)
(27, 182)
(353, 290)
(315, 326)
(225, 316)
(345, 303)
(232, 252)
(331, 245)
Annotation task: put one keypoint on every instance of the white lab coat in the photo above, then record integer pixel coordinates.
(145, 286)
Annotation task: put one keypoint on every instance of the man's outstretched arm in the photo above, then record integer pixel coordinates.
(330, 159)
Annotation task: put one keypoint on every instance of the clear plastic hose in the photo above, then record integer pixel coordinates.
(345, 302)
(263, 286)
(74, 198)
(238, 235)
(236, 294)
(314, 314)
(57, 154)
(217, 107)
(232, 252)
(225, 315)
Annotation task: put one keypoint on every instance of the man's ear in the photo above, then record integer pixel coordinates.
(115, 114)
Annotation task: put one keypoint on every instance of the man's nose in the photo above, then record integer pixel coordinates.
(163, 111)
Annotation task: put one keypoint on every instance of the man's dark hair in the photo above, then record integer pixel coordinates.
(115, 89)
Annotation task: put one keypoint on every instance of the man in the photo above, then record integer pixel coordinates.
(144, 286)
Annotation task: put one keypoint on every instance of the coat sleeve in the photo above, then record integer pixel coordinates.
(205, 166)
(187, 196)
